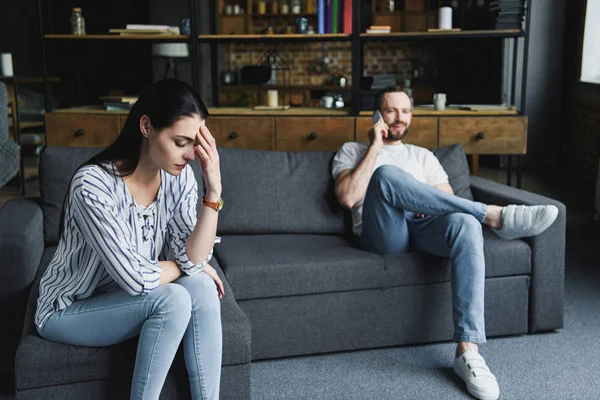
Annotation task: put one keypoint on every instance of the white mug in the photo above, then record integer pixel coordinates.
(6, 65)
(327, 101)
(439, 101)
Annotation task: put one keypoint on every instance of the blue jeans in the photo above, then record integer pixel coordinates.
(187, 309)
(451, 228)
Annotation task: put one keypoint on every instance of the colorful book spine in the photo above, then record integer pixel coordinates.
(328, 17)
(334, 16)
(347, 26)
(321, 15)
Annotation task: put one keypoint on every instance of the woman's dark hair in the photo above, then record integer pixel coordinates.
(165, 102)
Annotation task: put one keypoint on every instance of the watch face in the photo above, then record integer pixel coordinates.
(220, 203)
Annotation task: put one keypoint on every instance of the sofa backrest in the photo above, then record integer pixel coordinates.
(454, 161)
(57, 167)
(264, 191)
(279, 192)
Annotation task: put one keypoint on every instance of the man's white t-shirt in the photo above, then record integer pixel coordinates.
(418, 161)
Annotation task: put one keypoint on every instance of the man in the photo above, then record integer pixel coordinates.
(399, 194)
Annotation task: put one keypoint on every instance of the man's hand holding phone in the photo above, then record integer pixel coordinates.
(378, 131)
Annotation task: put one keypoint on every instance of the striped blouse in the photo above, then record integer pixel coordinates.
(108, 239)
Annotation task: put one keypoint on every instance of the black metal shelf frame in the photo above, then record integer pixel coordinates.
(355, 38)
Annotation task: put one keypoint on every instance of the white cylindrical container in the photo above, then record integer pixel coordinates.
(439, 101)
(272, 98)
(6, 65)
(445, 18)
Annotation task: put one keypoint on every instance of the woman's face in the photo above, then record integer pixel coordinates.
(173, 147)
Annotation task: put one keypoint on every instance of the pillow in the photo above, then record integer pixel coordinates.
(454, 162)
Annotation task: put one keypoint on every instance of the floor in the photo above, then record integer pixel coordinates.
(569, 358)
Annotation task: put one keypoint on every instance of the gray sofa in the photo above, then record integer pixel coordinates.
(294, 277)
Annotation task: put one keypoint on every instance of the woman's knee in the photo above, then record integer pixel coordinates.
(172, 298)
(203, 293)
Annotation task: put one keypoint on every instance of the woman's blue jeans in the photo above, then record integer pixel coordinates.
(451, 228)
(187, 309)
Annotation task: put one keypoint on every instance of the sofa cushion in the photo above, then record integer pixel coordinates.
(454, 161)
(43, 363)
(57, 167)
(278, 192)
(260, 266)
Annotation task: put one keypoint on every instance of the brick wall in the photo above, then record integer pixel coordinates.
(305, 59)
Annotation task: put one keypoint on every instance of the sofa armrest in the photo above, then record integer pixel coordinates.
(21, 247)
(546, 298)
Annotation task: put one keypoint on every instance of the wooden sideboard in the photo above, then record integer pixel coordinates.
(299, 130)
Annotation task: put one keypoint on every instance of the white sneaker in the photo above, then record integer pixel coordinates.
(525, 221)
(472, 369)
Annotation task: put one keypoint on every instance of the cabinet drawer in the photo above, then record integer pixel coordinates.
(321, 133)
(422, 131)
(241, 132)
(486, 135)
(81, 130)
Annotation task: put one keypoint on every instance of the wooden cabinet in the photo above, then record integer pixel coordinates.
(81, 130)
(485, 135)
(422, 131)
(314, 133)
(255, 133)
(477, 134)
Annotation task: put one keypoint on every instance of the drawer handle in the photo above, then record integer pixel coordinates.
(79, 132)
(480, 136)
(312, 136)
(233, 135)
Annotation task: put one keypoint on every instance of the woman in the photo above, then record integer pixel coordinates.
(127, 208)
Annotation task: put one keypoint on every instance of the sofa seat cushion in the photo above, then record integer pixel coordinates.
(44, 363)
(262, 266)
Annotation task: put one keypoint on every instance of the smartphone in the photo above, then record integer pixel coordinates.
(376, 117)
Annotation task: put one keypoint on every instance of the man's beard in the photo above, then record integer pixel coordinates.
(394, 136)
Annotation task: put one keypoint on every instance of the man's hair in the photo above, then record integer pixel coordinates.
(389, 89)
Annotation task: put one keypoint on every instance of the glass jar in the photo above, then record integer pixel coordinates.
(285, 7)
(296, 6)
(261, 7)
(77, 22)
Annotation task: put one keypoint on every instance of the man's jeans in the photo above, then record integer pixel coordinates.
(187, 309)
(451, 228)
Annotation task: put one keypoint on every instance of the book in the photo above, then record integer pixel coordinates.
(347, 26)
(119, 99)
(378, 31)
(144, 27)
(334, 16)
(328, 16)
(321, 16)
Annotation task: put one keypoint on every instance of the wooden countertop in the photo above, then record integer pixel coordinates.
(456, 111)
(307, 111)
(235, 111)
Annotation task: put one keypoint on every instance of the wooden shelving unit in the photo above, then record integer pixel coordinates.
(117, 37)
(506, 33)
(288, 38)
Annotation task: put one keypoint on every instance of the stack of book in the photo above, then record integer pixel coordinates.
(334, 16)
(379, 29)
(118, 103)
(383, 81)
(510, 13)
(139, 29)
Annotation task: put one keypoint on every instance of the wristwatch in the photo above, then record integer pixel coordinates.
(217, 206)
